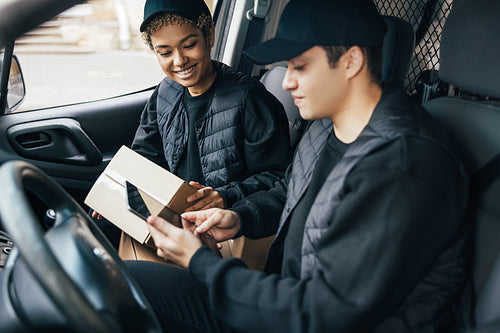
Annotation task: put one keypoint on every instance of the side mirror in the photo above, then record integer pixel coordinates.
(16, 90)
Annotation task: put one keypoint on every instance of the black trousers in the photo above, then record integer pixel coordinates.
(180, 302)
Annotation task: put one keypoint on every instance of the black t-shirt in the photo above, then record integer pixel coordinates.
(331, 154)
(189, 167)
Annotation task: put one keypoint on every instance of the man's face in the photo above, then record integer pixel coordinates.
(184, 56)
(318, 90)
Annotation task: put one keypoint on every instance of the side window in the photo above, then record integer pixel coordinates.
(92, 51)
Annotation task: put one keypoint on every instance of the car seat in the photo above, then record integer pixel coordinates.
(399, 42)
(398, 47)
(469, 63)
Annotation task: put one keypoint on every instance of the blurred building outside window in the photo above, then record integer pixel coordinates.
(90, 52)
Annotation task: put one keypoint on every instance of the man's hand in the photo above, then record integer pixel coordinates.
(223, 224)
(206, 197)
(173, 244)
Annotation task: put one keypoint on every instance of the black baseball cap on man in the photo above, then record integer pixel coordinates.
(188, 9)
(307, 23)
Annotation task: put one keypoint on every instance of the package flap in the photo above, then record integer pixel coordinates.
(108, 195)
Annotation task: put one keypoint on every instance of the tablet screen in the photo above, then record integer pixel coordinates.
(135, 202)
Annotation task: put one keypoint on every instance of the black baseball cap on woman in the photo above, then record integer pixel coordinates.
(307, 23)
(188, 9)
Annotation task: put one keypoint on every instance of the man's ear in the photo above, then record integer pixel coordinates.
(355, 61)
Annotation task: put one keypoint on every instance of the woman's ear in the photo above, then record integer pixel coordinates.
(211, 38)
(355, 61)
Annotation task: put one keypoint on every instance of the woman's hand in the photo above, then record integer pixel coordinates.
(206, 197)
(96, 215)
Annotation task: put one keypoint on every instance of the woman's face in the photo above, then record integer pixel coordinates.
(183, 53)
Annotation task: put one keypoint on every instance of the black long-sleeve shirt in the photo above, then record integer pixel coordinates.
(190, 165)
(331, 154)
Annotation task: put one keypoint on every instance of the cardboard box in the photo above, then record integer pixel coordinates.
(130, 249)
(160, 189)
(252, 251)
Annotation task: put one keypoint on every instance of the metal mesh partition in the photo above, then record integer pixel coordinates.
(427, 18)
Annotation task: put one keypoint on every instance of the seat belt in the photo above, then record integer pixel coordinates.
(257, 17)
(255, 29)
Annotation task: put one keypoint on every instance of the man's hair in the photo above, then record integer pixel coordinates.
(373, 57)
(204, 23)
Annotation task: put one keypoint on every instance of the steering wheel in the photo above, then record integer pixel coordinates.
(72, 262)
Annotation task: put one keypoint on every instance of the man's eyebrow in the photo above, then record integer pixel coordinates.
(302, 57)
(180, 42)
(299, 58)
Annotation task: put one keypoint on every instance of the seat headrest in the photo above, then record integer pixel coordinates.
(470, 48)
(399, 42)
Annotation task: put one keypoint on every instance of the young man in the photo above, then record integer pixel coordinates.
(370, 225)
(210, 125)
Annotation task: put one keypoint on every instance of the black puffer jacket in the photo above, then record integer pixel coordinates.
(243, 139)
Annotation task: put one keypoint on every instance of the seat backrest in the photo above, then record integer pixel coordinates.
(397, 51)
(272, 80)
(399, 42)
(469, 61)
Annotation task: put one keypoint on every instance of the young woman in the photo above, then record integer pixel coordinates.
(207, 123)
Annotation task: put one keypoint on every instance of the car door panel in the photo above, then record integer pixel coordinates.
(58, 140)
(74, 143)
